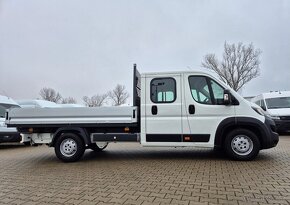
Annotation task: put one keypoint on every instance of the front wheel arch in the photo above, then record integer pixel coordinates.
(231, 123)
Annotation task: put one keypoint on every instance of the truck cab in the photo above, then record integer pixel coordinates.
(195, 109)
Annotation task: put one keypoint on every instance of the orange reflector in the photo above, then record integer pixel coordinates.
(186, 138)
(30, 130)
(126, 129)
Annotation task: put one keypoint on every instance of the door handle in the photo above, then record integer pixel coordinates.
(154, 110)
(191, 109)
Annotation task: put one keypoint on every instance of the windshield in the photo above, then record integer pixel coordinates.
(276, 103)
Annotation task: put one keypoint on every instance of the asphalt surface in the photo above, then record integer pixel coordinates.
(129, 174)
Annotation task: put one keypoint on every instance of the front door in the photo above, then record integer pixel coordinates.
(204, 109)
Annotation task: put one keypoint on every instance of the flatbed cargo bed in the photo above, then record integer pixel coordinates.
(70, 116)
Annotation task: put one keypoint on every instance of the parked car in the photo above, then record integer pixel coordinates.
(7, 134)
(36, 103)
(277, 106)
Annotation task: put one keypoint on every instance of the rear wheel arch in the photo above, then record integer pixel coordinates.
(81, 132)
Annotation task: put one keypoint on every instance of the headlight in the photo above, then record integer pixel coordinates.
(259, 111)
(275, 117)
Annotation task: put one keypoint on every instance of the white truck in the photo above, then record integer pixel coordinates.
(173, 109)
(277, 106)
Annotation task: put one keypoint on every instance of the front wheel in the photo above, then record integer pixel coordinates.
(242, 144)
(69, 147)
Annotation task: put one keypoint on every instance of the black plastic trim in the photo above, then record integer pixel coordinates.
(115, 137)
(267, 136)
(80, 131)
(177, 137)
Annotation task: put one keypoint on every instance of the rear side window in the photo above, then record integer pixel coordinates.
(163, 90)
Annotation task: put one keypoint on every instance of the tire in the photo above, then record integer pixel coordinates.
(27, 143)
(242, 144)
(69, 147)
(98, 147)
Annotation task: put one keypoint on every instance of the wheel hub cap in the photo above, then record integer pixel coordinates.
(242, 145)
(68, 147)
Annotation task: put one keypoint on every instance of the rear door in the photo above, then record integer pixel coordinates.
(163, 109)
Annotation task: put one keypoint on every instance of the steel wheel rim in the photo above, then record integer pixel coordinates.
(242, 145)
(68, 147)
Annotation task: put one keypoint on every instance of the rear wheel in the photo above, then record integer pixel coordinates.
(69, 147)
(27, 143)
(97, 147)
(242, 144)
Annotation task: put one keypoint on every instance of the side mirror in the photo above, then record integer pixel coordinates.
(227, 97)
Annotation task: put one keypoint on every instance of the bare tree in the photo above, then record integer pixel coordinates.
(50, 95)
(69, 100)
(239, 65)
(119, 95)
(95, 100)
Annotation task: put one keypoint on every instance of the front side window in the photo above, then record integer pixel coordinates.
(218, 92)
(263, 104)
(163, 90)
(258, 102)
(199, 89)
(206, 91)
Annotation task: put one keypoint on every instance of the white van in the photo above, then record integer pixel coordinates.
(277, 106)
(36, 103)
(7, 134)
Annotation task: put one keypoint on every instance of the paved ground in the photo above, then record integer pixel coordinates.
(128, 174)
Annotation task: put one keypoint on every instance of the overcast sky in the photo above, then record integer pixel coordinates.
(87, 47)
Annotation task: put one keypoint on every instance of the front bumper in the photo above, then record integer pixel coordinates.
(282, 125)
(271, 138)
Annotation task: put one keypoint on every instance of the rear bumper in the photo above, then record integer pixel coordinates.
(10, 137)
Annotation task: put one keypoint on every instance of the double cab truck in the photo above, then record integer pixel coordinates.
(170, 109)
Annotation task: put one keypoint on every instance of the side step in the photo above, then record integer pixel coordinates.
(114, 137)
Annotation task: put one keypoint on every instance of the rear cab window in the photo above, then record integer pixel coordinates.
(163, 90)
